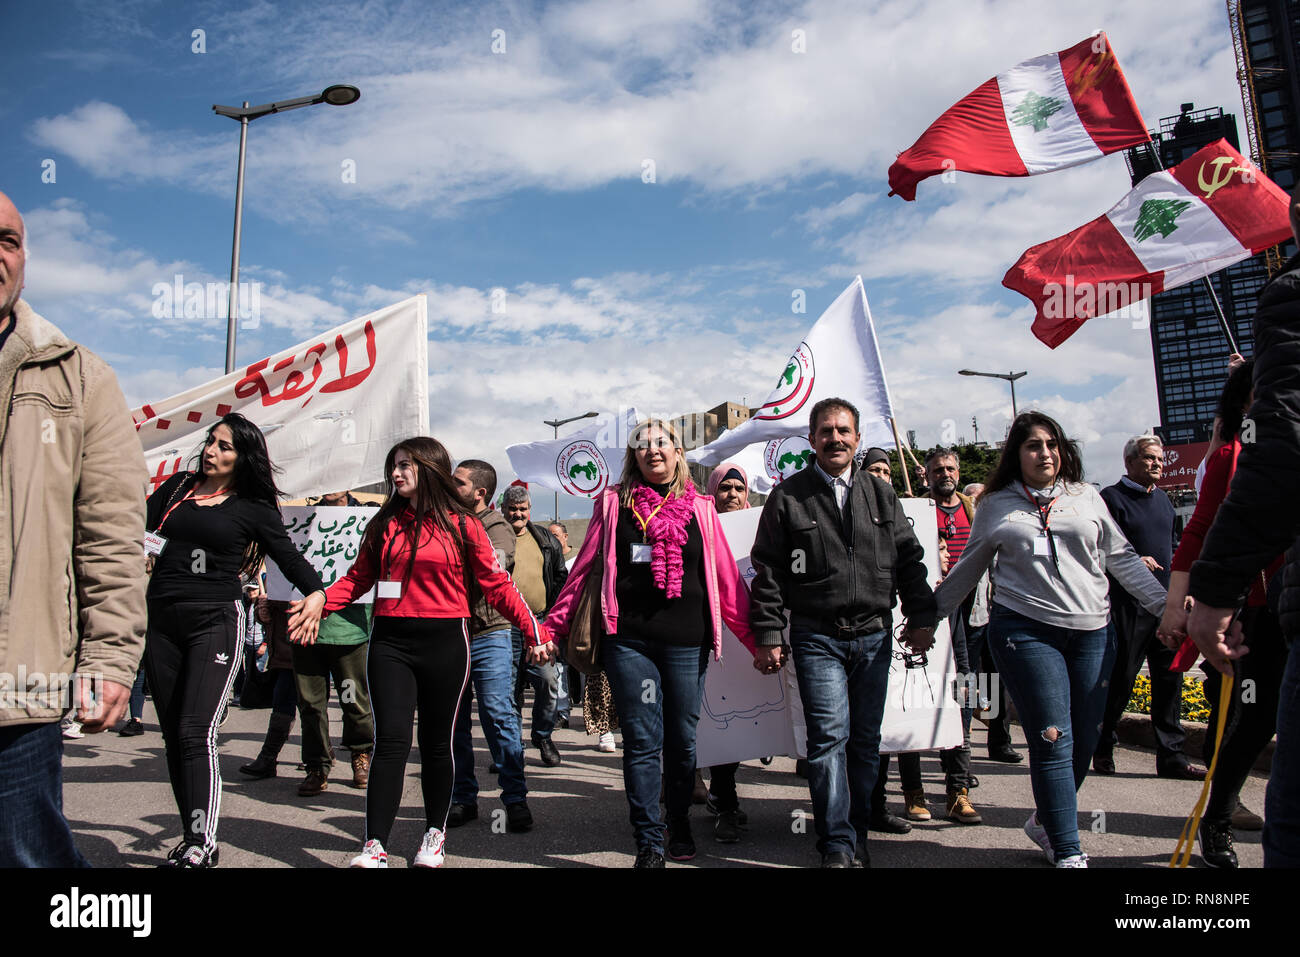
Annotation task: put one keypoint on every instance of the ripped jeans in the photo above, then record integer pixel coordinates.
(1058, 680)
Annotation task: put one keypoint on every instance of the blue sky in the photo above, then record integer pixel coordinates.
(522, 170)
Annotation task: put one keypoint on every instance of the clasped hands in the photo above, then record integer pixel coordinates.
(1212, 630)
(770, 658)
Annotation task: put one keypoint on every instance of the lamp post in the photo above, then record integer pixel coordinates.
(1010, 377)
(337, 95)
(555, 425)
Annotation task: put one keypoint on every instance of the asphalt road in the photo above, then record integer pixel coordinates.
(120, 806)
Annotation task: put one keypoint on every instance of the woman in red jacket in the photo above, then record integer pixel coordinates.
(669, 582)
(1250, 725)
(420, 550)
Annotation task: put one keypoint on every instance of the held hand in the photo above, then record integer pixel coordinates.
(540, 654)
(97, 716)
(1172, 628)
(304, 618)
(1208, 628)
(919, 639)
(1151, 564)
(1235, 360)
(768, 659)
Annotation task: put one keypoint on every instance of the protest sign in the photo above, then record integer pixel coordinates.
(329, 537)
(330, 408)
(746, 715)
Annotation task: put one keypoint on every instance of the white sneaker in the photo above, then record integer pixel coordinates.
(606, 743)
(372, 855)
(1074, 860)
(72, 730)
(1038, 834)
(430, 854)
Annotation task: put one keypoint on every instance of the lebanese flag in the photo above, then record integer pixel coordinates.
(1213, 209)
(1047, 113)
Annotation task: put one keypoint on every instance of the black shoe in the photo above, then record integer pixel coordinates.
(259, 767)
(1006, 753)
(132, 728)
(972, 782)
(493, 768)
(888, 823)
(836, 859)
(681, 846)
(1183, 771)
(191, 855)
(562, 721)
(518, 817)
(1216, 844)
(649, 857)
(1103, 764)
(861, 856)
(550, 756)
(460, 814)
(711, 807)
(726, 829)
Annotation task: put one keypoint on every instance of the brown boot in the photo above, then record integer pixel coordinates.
(360, 769)
(960, 809)
(315, 782)
(914, 802)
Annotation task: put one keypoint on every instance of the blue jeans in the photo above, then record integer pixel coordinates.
(546, 693)
(842, 683)
(490, 672)
(33, 830)
(1058, 679)
(137, 695)
(657, 690)
(1282, 800)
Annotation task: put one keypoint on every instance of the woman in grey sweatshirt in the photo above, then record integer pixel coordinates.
(1047, 540)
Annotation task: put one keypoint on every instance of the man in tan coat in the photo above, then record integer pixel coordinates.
(72, 619)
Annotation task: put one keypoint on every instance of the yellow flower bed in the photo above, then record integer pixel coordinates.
(1195, 707)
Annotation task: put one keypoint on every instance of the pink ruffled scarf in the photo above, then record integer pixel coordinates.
(665, 533)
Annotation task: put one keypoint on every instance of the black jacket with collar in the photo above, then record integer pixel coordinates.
(807, 563)
(1260, 518)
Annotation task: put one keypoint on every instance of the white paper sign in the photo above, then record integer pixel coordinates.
(329, 537)
(746, 715)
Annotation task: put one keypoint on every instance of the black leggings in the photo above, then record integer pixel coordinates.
(413, 662)
(1252, 711)
(192, 654)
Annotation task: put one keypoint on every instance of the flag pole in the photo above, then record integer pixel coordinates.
(902, 459)
(1209, 286)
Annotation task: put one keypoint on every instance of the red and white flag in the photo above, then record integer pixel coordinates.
(1213, 209)
(1047, 113)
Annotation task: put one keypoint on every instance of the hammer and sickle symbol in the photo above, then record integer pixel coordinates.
(1221, 176)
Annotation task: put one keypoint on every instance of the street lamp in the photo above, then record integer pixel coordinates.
(1010, 377)
(555, 424)
(337, 95)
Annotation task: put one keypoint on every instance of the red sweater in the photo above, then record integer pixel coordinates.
(437, 585)
(1219, 469)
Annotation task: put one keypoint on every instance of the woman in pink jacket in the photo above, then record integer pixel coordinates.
(670, 581)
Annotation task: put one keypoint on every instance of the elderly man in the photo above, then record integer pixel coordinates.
(539, 574)
(1146, 517)
(72, 497)
(832, 545)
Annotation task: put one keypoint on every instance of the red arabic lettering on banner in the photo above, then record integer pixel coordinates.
(295, 385)
(161, 474)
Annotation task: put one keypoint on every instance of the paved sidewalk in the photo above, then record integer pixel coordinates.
(119, 803)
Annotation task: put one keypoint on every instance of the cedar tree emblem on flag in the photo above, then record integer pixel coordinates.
(1035, 111)
(1158, 216)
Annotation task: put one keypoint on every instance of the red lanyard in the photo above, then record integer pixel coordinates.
(188, 497)
(1045, 518)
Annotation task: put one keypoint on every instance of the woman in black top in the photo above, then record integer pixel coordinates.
(205, 529)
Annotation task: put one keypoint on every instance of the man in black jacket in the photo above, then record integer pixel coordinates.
(832, 546)
(539, 575)
(1260, 518)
